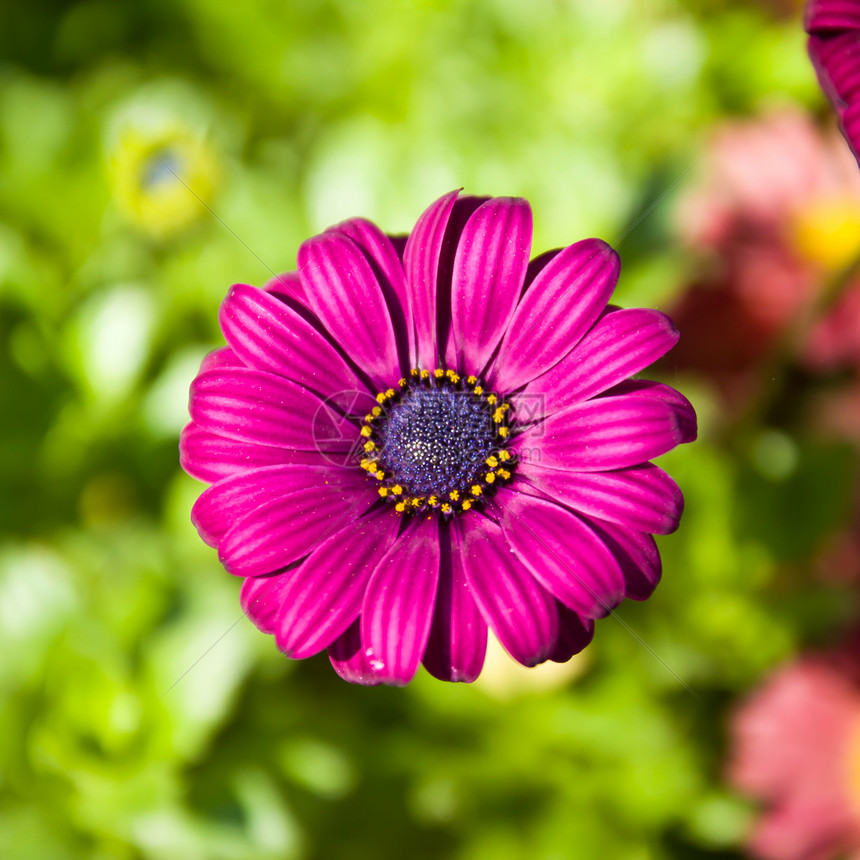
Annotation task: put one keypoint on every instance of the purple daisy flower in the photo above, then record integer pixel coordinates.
(410, 442)
(834, 47)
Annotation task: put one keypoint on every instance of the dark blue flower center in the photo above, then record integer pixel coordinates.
(437, 442)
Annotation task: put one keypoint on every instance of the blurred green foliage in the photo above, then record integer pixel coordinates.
(142, 716)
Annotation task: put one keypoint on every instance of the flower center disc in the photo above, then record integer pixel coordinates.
(437, 441)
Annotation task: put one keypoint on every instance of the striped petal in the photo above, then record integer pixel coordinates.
(349, 658)
(837, 62)
(574, 633)
(600, 435)
(621, 344)
(520, 612)
(662, 393)
(324, 595)
(398, 605)
(264, 409)
(287, 285)
(386, 265)
(563, 553)
(421, 261)
(830, 16)
(640, 497)
(637, 554)
(458, 635)
(344, 293)
(268, 335)
(225, 503)
(285, 529)
(556, 311)
(262, 597)
(489, 273)
(208, 456)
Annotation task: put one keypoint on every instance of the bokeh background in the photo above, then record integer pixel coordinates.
(152, 154)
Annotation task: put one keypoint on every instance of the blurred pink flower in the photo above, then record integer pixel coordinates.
(775, 214)
(796, 747)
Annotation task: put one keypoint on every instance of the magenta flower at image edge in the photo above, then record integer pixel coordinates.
(834, 47)
(409, 443)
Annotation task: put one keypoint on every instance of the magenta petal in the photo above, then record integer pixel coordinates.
(221, 357)
(268, 335)
(285, 529)
(390, 275)
(209, 457)
(640, 497)
(519, 610)
(398, 604)
(258, 407)
(837, 62)
(458, 636)
(225, 503)
(421, 261)
(599, 435)
(556, 311)
(638, 556)
(563, 553)
(324, 596)
(287, 284)
(829, 16)
(489, 273)
(622, 343)
(574, 633)
(684, 412)
(262, 597)
(350, 659)
(345, 294)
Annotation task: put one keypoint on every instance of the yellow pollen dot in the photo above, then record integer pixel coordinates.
(454, 495)
(380, 398)
(503, 432)
(397, 490)
(505, 406)
(417, 502)
(504, 455)
(503, 473)
(446, 508)
(433, 501)
(466, 505)
(369, 445)
(498, 415)
(455, 378)
(425, 374)
(471, 380)
(492, 462)
(492, 399)
(414, 372)
(368, 418)
(489, 477)
(438, 373)
(400, 507)
(476, 490)
(376, 411)
(390, 392)
(478, 389)
(380, 475)
(401, 383)
(383, 491)
(366, 431)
